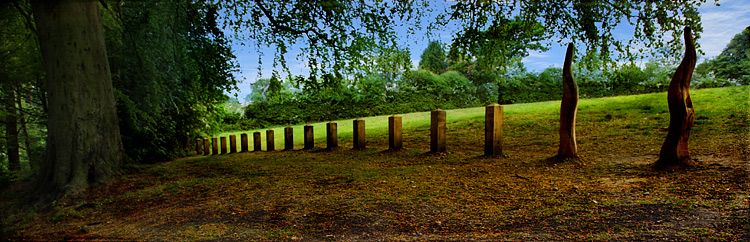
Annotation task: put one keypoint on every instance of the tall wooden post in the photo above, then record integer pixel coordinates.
(437, 131)
(232, 144)
(243, 143)
(493, 130)
(332, 139)
(395, 141)
(270, 143)
(288, 138)
(206, 148)
(214, 146)
(674, 151)
(359, 134)
(568, 108)
(256, 141)
(309, 137)
(198, 148)
(223, 145)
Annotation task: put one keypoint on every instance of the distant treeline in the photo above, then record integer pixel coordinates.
(422, 90)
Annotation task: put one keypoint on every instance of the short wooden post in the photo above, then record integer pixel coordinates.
(214, 146)
(223, 145)
(493, 130)
(256, 141)
(309, 137)
(198, 148)
(232, 144)
(206, 147)
(270, 144)
(359, 134)
(288, 138)
(332, 139)
(437, 131)
(395, 141)
(243, 143)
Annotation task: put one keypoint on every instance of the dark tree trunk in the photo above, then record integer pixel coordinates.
(83, 141)
(568, 109)
(674, 152)
(11, 130)
(24, 131)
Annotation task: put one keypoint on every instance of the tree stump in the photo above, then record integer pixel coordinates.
(309, 137)
(395, 140)
(493, 130)
(568, 108)
(256, 141)
(270, 143)
(674, 152)
(359, 134)
(288, 138)
(437, 131)
(243, 143)
(332, 139)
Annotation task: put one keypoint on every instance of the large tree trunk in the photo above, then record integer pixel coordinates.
(11, 129)
(568, 109)
(83, 140)
(674, 152)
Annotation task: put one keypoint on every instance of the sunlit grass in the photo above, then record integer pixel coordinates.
(715, 102)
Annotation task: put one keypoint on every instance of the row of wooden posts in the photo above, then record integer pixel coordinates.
(492, 142)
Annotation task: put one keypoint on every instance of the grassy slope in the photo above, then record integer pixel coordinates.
(349, 195)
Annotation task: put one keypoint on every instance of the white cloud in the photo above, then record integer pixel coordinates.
(721, 23)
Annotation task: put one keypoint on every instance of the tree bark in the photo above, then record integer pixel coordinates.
(674, 152)
(30, 154)
(83, 141)
(568, 108)
(11, 130)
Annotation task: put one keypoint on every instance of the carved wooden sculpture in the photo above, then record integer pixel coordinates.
(568, 109)
(674, 152)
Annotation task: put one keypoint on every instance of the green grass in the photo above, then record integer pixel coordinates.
(718, 103)
(614, 194)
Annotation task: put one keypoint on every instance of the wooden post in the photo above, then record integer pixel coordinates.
(256, 141)
(493, 130)
(223, 145)
(270, 144)
(395, 141)
(232, 144)
(206, 149)
(332, 139)
(674, 151)
(198, 148)
(568, 108)
(437, 131)
(309, 137)
(359, 134)
(214, 146)
(288, 138)
(243, 143)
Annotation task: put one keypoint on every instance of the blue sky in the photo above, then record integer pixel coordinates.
(720, 24)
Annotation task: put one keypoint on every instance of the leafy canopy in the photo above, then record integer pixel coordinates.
(333, 34)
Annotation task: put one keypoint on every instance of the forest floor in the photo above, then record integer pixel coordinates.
(612, 194)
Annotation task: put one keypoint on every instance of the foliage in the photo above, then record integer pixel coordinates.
(733, 64)
(433, 58)
(334, 34)
(171, 65)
